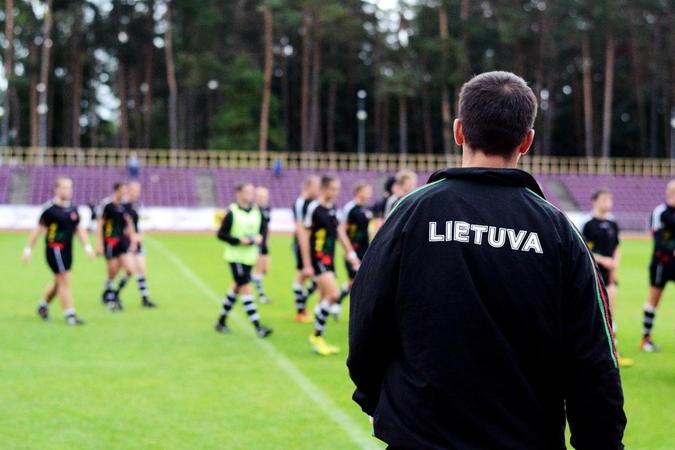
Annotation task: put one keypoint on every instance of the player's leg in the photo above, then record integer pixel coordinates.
(43, 305)
(113, 268)
(139, 264)
(657, 278)
(330, 292)
(228, 302)
(247, 299)
(261, 268)
(64, 293)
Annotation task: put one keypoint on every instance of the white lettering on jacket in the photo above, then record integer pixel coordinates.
(464, 232)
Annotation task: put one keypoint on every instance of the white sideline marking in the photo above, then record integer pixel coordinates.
(305, 384)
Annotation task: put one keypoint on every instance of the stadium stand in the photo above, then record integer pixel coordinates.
(170, 177)
(5, 182)
(162, 186)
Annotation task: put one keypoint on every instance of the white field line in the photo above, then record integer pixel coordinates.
(334, 412)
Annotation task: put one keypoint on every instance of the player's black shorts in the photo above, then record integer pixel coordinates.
(660, 273)
(59, 260)
(298, 256)
(323, 264)
(241, 273)
(263, 249)
(115, 250)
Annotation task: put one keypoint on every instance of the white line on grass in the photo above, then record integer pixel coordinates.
(336, 414)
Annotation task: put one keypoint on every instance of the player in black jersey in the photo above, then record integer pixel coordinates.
(602, 236)
(310, 190)
(662, 267)
(380, 205)
(317, 246)
(59, 221)
(355, 219)
(262, 199)
(115, 237)
(133, 207)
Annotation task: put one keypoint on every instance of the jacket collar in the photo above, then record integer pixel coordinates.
(510, 177)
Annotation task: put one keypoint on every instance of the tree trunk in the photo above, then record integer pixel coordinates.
(171, 81)
(33, 96)
(588, 92)
(426, 114)
(148, 82)
(314, 138)
(445, 92)
(285, 100)
(76, 69)
(654, 101)
(464, 17)
(306, 58)
(267, 90)
(124, 110)
(9, 69)
(403, 124)
(93, 117)
(638, 79)
(330, 116)
(385, 125)
(609, 96)
(138, 110)
(43, 102)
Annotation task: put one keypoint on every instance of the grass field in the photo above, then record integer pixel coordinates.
(163, 379)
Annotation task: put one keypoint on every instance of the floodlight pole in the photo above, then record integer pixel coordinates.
(362, 115)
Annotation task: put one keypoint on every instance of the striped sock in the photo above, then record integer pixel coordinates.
(320, 316)
(311, 288)
(122, 283)
(252, 310)
(143, 286)
(109, 293)
(344, 292)
(300, 297)
(257, 280)
(228, 303)
(648, 320)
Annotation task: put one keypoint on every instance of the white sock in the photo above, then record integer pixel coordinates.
(69, 312)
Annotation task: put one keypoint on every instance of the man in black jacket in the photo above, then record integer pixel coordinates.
(478, 319)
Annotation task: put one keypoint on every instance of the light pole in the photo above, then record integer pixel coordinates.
(362, 115)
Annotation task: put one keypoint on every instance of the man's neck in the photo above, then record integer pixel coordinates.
(600, 215)
(60, 202)
(359, 201)
(325, 202)
(471, 158)
(245, 206)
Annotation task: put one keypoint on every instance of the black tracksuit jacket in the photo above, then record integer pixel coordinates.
(478, 321)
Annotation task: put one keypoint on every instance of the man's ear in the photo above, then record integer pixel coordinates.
(459, 133)
(527, 142)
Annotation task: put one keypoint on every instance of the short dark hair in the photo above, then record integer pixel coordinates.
(240, 186)
(389, 184)
(326, 180)
(118, 184)
(600, 191)
(497, 110)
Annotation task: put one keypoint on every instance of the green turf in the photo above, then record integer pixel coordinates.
(163, 379)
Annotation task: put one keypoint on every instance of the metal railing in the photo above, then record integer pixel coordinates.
(320, 161)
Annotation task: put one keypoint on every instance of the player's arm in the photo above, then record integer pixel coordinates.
(303, 234)
(350, 254)
(32, 238)
(98, 234)
(130, 231)
(372, 324)
(226, 227)
(617, 259)
(84, 239)
(592, 387)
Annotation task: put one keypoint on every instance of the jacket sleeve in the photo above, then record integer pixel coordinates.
(372, 331)
(224, 231)
(593, 393)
